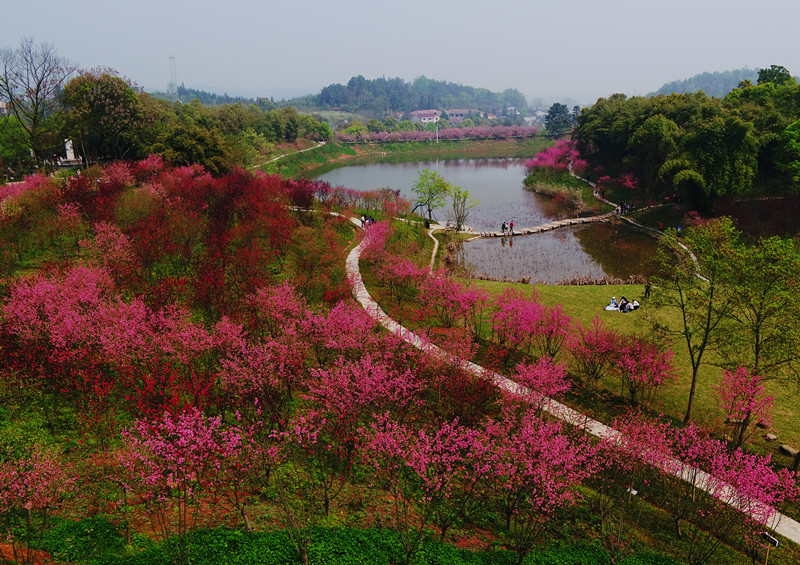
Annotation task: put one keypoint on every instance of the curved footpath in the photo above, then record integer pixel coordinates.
(781, 524)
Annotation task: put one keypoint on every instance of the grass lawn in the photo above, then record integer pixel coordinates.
(583, 303)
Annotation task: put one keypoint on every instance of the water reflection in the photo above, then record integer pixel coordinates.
(495, 183)
(590, 251)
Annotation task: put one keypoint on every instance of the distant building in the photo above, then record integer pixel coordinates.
(458, 114)
(425, 116)
(461, 114)
(5, 109)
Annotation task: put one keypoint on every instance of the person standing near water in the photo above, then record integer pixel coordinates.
(511, 225)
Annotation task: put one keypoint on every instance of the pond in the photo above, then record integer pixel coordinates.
(589, 251)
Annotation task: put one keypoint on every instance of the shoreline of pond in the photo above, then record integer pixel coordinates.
(422, 151)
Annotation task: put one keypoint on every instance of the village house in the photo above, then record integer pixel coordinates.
(425, 116)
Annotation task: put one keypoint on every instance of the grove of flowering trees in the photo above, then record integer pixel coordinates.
(449, 134)
(187, 355)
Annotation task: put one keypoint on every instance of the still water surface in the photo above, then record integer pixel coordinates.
(592, 250)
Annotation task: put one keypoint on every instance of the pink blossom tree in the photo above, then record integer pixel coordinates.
(345, 331)
(430, 475)
(512, 313)
(744, 401)
(542, 380)
(536, 471)
(170, 463)
(643, 367)
(442, 295)
(593, 351)
(343, 399)
(33, 483)
(704, 487)
(110, 249)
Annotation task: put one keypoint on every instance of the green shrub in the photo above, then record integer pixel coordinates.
(350, 546)
(84, 541)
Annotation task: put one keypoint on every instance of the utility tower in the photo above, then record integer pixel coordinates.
(172, 86)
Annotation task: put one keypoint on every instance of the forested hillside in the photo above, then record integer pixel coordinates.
(701, 149)
(382, 96)
(716, 84)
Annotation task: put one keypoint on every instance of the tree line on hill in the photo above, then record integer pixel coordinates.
(382, 97)
(701, 149)
(186, 95)
(716, 84)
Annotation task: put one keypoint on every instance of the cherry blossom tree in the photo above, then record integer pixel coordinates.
(643, 367)
(169, 463)
(536, 470)
(709, 491)
(744, 402)
(542, 380)
(430, 474)
(33, 483)
(593, 351)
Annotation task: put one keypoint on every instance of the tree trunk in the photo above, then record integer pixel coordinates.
(688, 415)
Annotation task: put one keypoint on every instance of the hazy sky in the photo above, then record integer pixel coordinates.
(568, 51)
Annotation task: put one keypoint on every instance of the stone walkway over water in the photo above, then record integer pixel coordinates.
(547, 227)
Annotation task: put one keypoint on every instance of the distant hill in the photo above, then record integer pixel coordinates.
(384, 96)
(186, 95)
(713, 84)
(378, 98)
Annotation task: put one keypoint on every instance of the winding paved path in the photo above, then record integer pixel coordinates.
(779, 523)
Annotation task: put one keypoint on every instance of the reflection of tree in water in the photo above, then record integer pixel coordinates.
(619, 249)
(581, 252)
(455, 260)
(480, 163)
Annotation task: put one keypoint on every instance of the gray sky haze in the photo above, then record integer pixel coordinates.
(573, 51)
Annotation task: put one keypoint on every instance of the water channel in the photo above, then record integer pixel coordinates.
(590, 251)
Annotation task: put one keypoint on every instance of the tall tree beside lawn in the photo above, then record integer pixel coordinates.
(696, 291)
(766, 319)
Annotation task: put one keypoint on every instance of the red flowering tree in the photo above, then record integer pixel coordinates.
(542, 380)
(744, 402)
(643, 367)
(430, 475)
(33, 483)
(593, 351)
(704, 487)
(536, 470)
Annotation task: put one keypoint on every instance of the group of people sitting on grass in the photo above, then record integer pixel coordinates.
(623, 305)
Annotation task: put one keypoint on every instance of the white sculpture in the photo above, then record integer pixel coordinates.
(69, 149)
